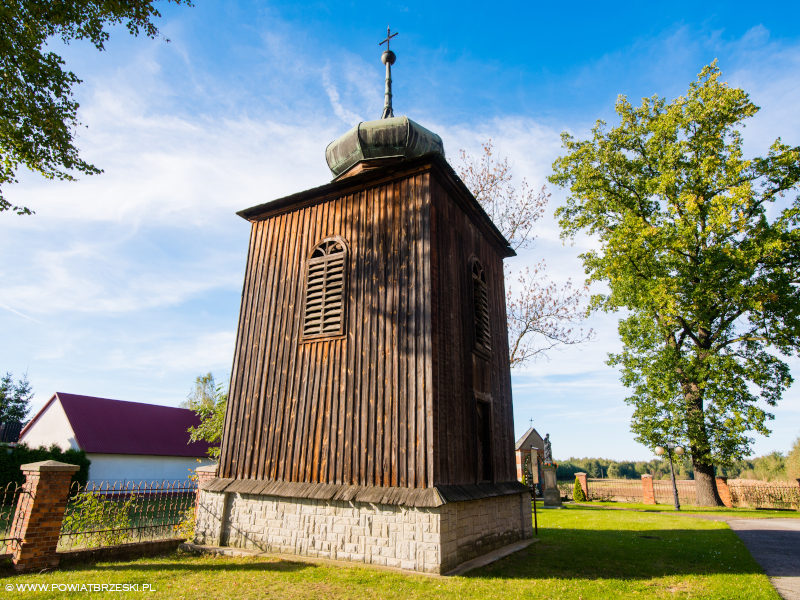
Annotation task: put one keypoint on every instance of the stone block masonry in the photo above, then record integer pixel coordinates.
(430, 540)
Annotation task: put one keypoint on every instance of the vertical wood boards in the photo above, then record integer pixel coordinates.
(391, 402)
(460, 372)
(336, 410)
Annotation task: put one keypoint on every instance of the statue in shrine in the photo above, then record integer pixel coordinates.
(548, 451)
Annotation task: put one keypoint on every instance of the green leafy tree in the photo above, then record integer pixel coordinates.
(212, 416)
(690, 244)
(38, 113)
(15, 398)
(793, 461)
(204, 393)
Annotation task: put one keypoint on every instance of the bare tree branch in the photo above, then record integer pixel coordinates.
(541, 316)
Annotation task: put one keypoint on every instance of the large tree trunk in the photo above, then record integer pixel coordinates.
(705, 485)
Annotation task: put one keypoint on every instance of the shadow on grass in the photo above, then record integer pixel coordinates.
(182, 562)
(626, 554)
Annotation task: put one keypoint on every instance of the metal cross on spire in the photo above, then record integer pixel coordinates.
(388, 57)
(389, 36)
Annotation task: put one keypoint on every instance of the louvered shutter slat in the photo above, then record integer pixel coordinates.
(325, 290)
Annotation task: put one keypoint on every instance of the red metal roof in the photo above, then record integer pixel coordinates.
(107, 426)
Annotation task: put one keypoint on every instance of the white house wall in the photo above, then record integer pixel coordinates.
(52, 427)
(137, 468)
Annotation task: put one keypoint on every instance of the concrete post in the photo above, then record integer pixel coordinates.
(584, 483)
(724, 491)
(40, 511)
(210, 510)
(203, 474)
(648, 494)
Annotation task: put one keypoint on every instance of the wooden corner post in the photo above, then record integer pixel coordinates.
(40, 511)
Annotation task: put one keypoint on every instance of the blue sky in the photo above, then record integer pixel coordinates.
(126, 285)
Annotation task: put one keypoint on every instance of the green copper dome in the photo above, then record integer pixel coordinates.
(393, 138)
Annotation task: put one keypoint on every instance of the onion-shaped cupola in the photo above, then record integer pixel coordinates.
(372, 144)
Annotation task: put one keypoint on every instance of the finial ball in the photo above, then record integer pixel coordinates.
(388, 57)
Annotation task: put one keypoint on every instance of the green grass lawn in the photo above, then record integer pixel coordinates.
(742, 513)
(584, 553)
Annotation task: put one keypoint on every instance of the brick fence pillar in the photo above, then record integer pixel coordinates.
(584, 484)
(724, 491)
(648, 494)
(203, 474)
(40, 510)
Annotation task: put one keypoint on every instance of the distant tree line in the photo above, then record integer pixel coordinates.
(770, 467)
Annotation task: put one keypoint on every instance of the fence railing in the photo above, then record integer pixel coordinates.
(567, 489)
(743, 493)
(616, 490)
(110, 514)
(9, 497)
(765, 495)
(662, 490)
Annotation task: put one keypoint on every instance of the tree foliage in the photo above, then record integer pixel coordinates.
(204, 393)
(770, 467)
(691, 244)
(541, 316)
(211, 410)
(11, 461)
(793, 461)
(38, 113)
(15, 398)
(578, 495)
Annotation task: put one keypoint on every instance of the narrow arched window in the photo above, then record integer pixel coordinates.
(480, 297)
(325, 277)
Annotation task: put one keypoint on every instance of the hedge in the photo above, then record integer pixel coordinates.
(12, 459)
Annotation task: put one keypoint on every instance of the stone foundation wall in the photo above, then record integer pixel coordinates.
(431, 540)
(476, 527)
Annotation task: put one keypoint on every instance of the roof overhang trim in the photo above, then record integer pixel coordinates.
(432, 162)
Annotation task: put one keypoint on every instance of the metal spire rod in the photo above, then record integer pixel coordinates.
(388, 57)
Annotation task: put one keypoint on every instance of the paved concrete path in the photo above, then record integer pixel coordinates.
(775, 544)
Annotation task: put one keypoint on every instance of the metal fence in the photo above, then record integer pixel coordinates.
(566, 488)
(9, 496)
(109, 514)
(616, 490)
(765, 495)
(662, 490)
(744, 493)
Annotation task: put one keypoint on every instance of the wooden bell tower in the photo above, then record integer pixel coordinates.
(371, 365)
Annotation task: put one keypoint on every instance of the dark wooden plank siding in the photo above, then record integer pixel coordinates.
(356, 409)
(459, 372)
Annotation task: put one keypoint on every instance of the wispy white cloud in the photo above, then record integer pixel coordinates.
(345, 115)
(136, 273)
(16, 312)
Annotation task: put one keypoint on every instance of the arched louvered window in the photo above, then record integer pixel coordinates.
(325, 290)
(480, 297)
